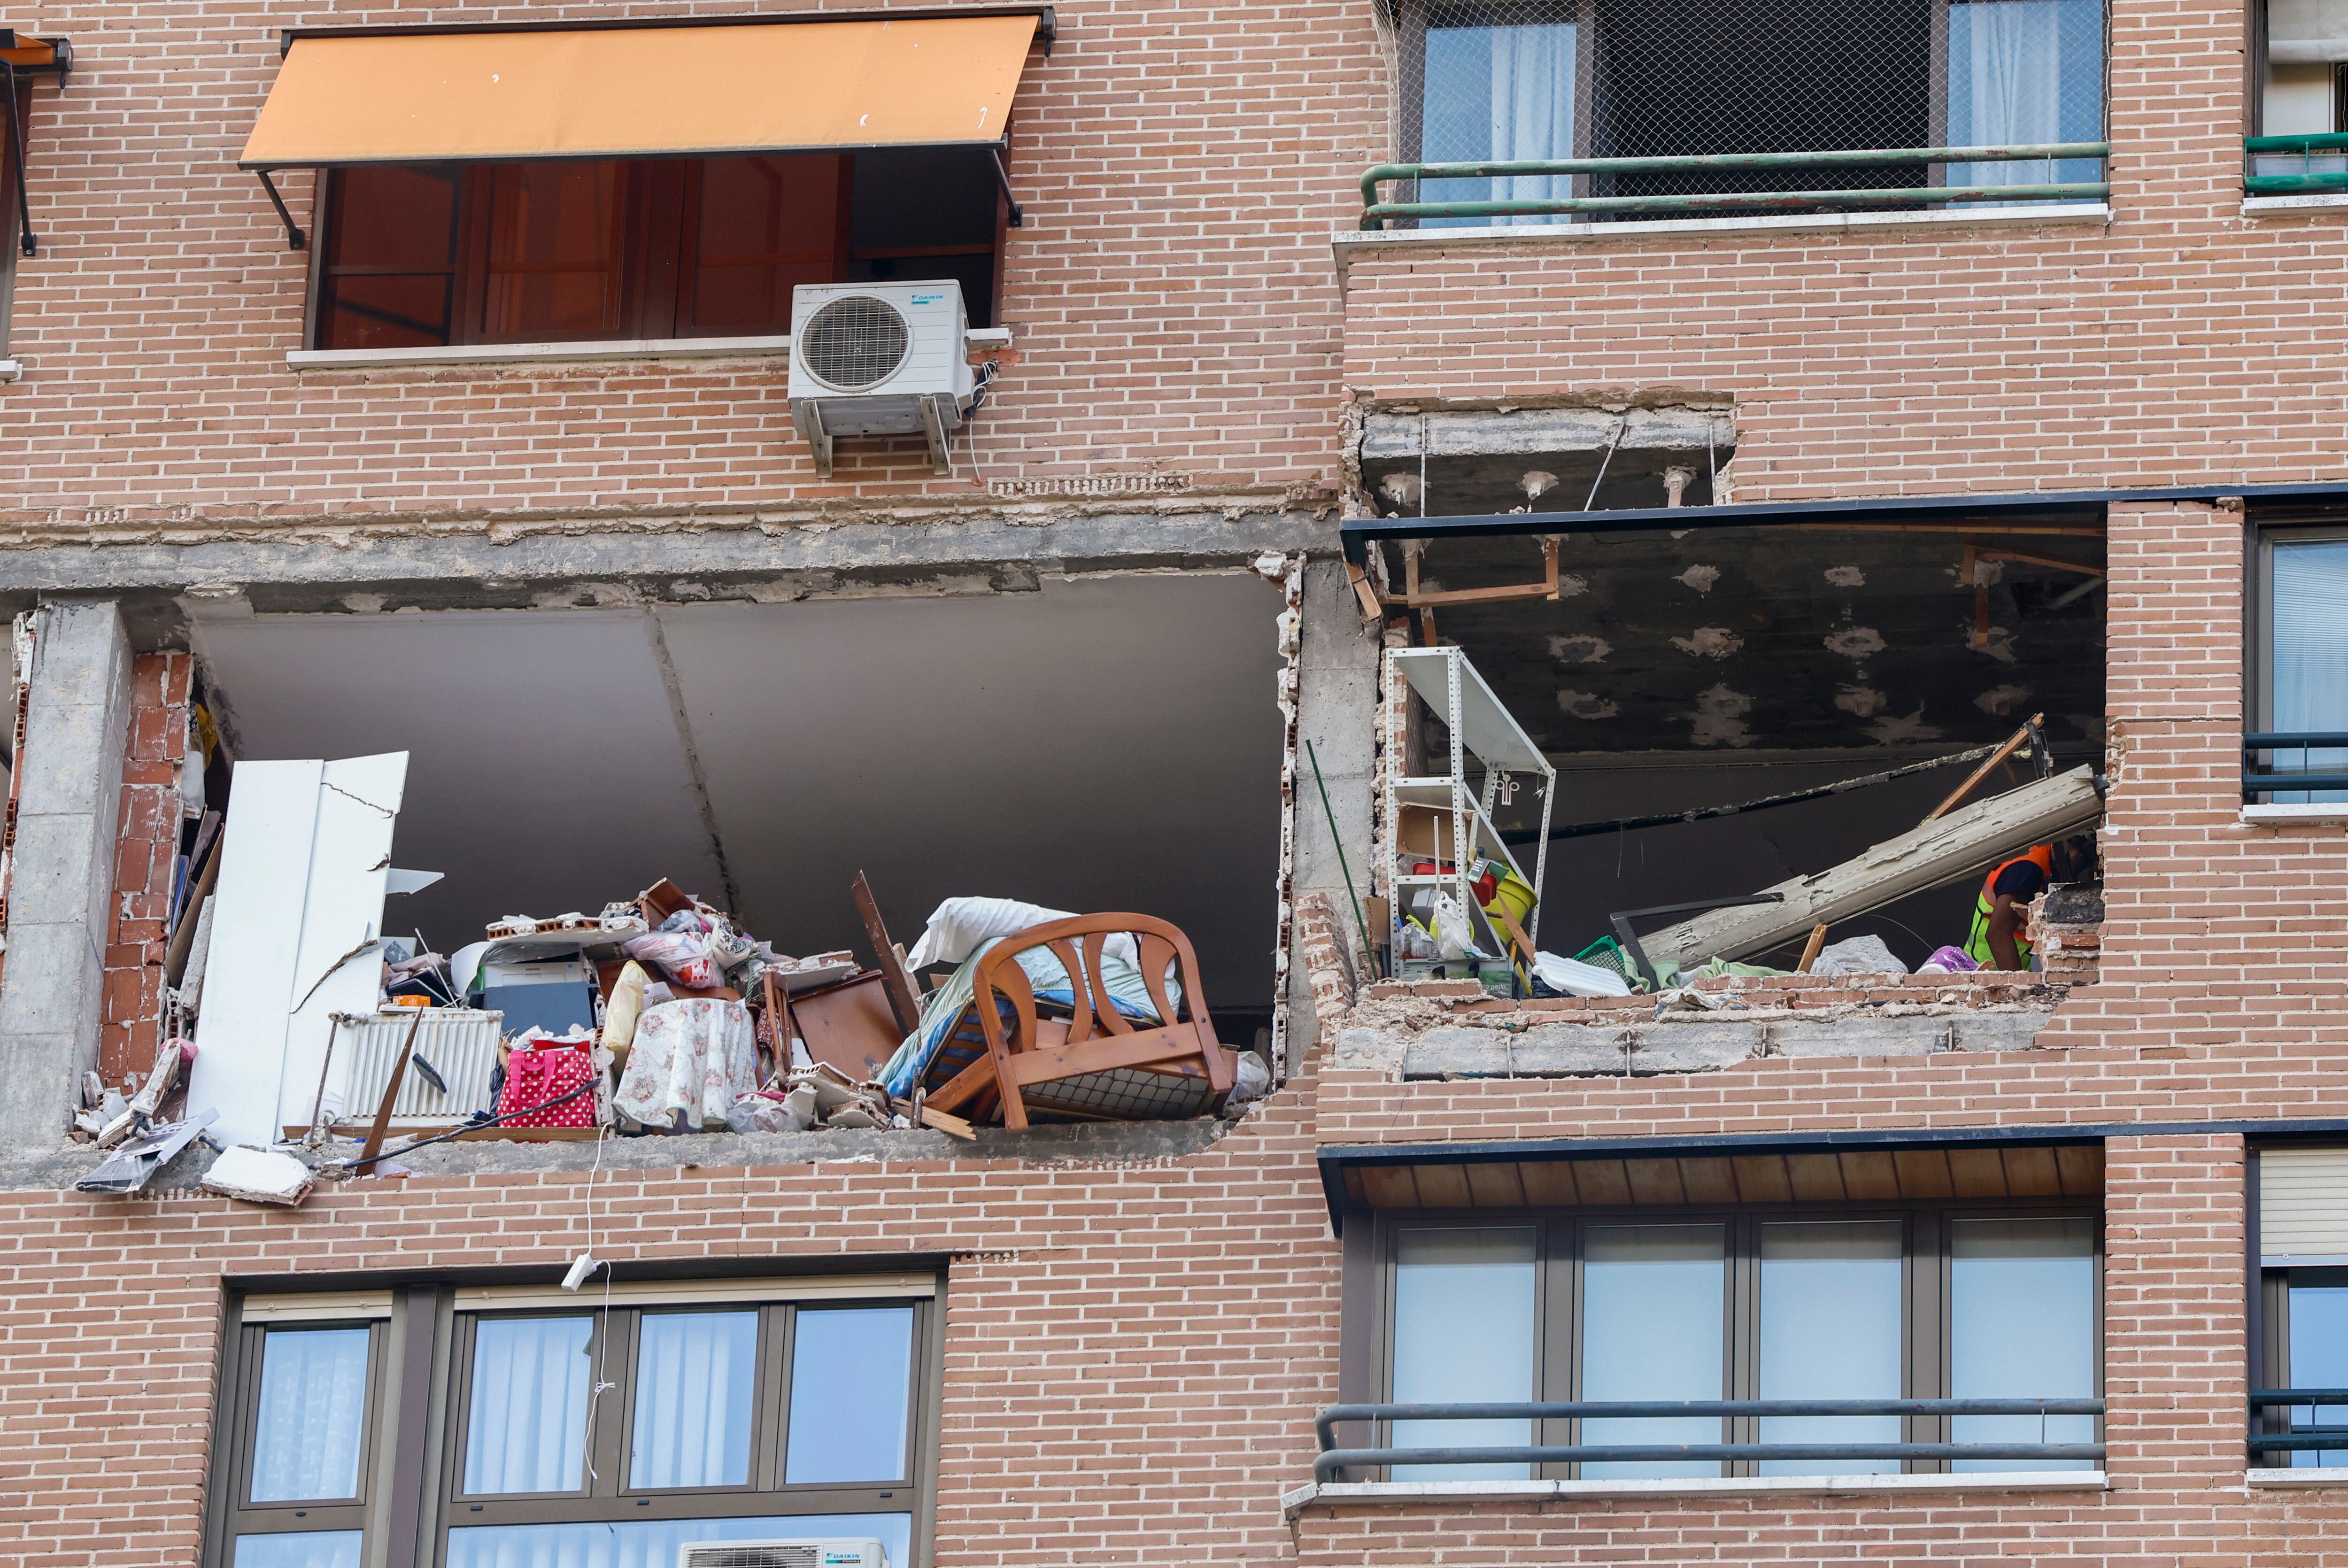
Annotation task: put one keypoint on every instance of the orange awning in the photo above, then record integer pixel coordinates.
(26, 53)
(641, 91)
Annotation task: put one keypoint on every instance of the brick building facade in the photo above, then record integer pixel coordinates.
(1931, 465)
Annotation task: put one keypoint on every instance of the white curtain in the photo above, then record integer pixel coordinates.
(696, 1382)
(1495, 94)
(2307, 674)
(305, 1444)
(2023, 72)
(527, 1428)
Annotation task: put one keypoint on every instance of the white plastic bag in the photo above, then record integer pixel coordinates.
(1576, 978)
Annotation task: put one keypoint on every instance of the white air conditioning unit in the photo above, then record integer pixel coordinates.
(816, 1551)
(880, 359)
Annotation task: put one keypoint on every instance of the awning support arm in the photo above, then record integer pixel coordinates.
(1018, 218)
(26, 241)
(295, 240)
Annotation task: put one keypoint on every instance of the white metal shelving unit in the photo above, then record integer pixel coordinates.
(1479, 727)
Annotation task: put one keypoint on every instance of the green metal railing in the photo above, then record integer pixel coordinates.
(2333, 148)
(1376, 213)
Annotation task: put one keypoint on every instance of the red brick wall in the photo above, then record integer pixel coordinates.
(2179, 345)
(144, 857)
(1132, 1355)
(1181, 166)
(2173, 1367)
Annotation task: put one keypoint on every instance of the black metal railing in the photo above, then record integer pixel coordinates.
(1333, 1460)
(2262, 773)
(2294, 1438)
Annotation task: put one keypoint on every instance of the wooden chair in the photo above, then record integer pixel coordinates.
(1096, 1064)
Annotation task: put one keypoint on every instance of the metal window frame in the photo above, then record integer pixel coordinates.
(1926, 1281)
(419, 1392)
(608, 1493)
(238, 1423)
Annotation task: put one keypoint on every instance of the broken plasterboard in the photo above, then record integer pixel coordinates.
(258, 1176)
(299, 910)
(1965, 844)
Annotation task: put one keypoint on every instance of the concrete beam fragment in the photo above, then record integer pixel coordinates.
(61, 891)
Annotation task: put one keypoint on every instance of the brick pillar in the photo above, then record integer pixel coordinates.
(146, 849)
(2175, 1315)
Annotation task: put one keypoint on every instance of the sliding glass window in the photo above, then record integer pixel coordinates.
(1912, 1302)
(560, 1429)
(2301, 683)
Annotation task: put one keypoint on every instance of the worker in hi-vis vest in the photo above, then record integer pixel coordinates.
(2003, 906)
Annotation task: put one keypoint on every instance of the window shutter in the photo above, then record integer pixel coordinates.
(2303, 1204)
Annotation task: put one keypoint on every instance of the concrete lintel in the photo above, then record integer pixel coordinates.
(1539, 432)
(1098, 1144)
(525, 564)
(1637, 1046)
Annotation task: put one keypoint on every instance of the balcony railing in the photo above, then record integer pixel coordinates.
(1333, 1460)
(2263, 773)
(2294, 165)
(2297, 1438)
(1377, 213)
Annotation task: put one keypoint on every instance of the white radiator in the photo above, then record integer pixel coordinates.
(461, 1044)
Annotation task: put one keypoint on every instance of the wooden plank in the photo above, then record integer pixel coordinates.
(2056, 562)
(1494, 1186)
(1762, 1179)
(527, 1135)
(1602, 1183)
(1811, 948)
(1548, 1182)
(2079, 1166)
(1177, 1048)
(1977, 1174)
(1868, 1176)
(2030, 1173)
(1654, 1180)
(1443, 1187)
(2012, 744)
(1923, 1173)
(1389, 1187)
(1708, 1178)
(1815, 1178)
(889, 960)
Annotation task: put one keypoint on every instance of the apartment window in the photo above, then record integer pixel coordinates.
(2299, 688)
(2300, 1201)
(2304, 74)
(12, 131)
(1496, 81)
(587, 250)
(555, 1432)
(1916, 1302)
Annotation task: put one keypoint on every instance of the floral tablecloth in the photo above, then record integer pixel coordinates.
(696, 1054)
